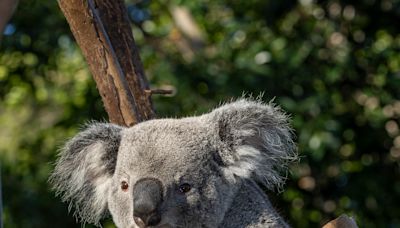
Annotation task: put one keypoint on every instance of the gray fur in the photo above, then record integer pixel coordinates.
(221, 155)
(83, 163)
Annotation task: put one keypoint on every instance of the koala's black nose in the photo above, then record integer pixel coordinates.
(147, 198)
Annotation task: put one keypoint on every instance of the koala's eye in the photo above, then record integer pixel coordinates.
(183, 188)
(124, 186)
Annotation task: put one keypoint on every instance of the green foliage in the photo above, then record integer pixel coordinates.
(334, 65)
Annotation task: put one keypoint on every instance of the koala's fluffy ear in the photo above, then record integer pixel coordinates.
(257, 140)
(84, 169)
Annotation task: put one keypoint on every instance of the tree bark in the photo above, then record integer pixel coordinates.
(343, 221)
(102, 30)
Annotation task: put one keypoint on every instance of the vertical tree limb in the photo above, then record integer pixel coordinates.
(102, 30)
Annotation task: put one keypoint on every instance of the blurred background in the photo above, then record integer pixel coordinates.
(333, 65)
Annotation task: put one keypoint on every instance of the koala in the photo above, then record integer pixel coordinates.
(203, 171)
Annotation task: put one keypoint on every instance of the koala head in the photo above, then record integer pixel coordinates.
(173, 172)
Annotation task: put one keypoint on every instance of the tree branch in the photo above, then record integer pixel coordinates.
(102, 30)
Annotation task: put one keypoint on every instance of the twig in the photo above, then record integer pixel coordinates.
(158, 91)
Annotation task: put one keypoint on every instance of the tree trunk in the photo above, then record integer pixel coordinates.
(102, 30)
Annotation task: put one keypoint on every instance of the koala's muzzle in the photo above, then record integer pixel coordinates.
(147, 198)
